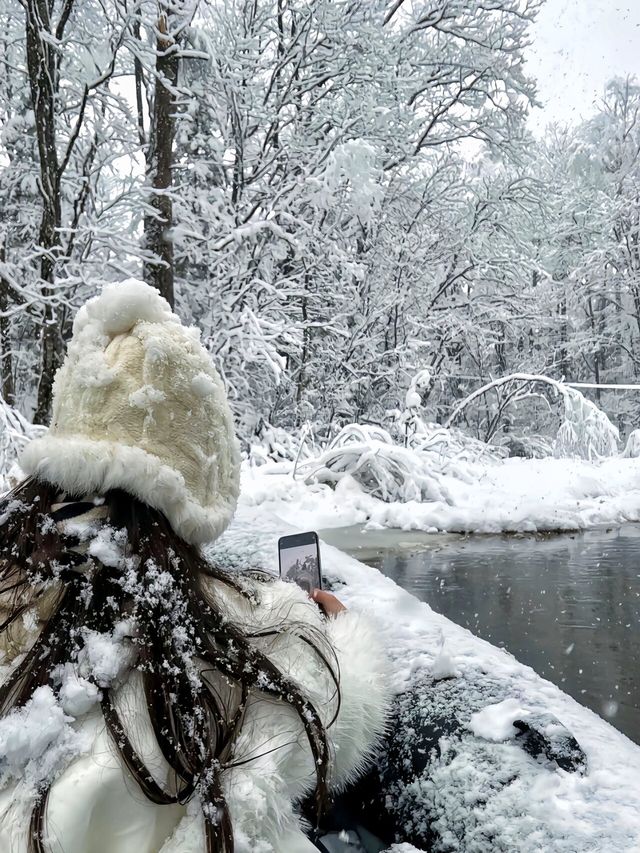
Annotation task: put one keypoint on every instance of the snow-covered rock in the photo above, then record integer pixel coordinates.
(495, 722)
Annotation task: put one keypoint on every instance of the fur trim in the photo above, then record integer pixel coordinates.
(365, 695)
(83, 467)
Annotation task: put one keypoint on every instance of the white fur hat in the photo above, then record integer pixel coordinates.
(138, 406)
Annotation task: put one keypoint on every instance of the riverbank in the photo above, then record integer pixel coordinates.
(541, 810)
(511, 495)
(567, 604)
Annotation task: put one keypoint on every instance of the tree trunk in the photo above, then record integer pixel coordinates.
(159, 272)
(596, 342)
(7, 386)
(304, 355)
(563, 346)
(42, 83)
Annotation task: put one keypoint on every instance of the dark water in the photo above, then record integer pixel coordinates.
(569, 605)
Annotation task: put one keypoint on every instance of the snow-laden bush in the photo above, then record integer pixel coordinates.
(586, 431)
(447, 444)
(453, 445)
(448, 448)
(15, 432)
(632, 448)
(274, 444)
(527, 446)
(382, 468)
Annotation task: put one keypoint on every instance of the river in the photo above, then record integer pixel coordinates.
(568, 605)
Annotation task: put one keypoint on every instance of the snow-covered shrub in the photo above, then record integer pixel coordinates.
(382, 469)
(527, 446)
(632, 448)
(453, 445)
(447, 445)
(274, 444)
(586, 431)
(15, 432)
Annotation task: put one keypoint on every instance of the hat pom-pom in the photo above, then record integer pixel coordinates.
(120, 306)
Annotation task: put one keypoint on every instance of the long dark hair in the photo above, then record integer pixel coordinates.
(194, 726)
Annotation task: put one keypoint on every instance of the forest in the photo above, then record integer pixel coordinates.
(344, 195)
(421, 293)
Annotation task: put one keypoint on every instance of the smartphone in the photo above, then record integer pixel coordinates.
(299, 557)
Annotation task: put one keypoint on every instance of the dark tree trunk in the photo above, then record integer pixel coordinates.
(43, 78)
(159, 271)
(7, 386)
(563, 345)
(304, 355)
(595, 338)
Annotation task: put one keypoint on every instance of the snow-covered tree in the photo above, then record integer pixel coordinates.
(343, 195)
(322, 183)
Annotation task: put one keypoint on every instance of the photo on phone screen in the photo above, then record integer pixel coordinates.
(299, 557)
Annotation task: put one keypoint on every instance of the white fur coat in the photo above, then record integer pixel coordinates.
(95, 806)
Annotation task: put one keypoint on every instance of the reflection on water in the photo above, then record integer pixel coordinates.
(566, 605)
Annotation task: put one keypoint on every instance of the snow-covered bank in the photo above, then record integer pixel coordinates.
(540, 809)
(511, 495)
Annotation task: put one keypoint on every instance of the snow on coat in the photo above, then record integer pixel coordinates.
(95, 805)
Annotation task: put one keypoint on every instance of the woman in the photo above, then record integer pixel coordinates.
(150, 701)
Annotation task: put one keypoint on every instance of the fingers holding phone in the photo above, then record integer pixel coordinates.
(327, 602)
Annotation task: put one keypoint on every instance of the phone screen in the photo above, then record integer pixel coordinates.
(299, 557)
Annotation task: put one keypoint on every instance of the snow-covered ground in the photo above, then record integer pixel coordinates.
(540, 809)
(536, 807)
(511, 495)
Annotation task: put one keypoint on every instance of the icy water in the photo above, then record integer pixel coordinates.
(567, 605)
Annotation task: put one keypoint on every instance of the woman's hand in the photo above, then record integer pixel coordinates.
(327, 602)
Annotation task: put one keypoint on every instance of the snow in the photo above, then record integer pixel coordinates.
(11, 507)
(119, 307)
(106, 657)
(76, 695)
(482, 796)
(444, 666)
(107, 545)
(412, 399)
(36, 740)
(495, 722)
(203, 385)
(146, 397)
(510, 495)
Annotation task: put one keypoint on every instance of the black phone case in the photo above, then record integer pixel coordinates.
(307, 580)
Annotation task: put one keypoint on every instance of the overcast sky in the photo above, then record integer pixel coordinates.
(577, 46)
